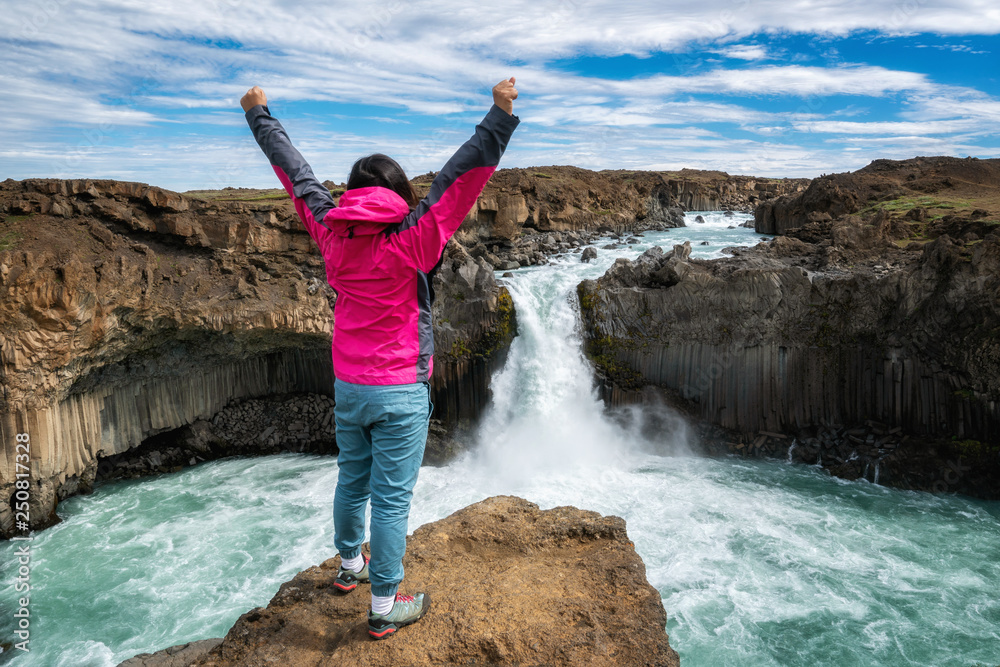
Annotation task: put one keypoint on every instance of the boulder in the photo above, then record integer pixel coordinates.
(181, 655)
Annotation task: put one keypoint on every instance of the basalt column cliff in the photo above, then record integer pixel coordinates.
(128, 312)
(142, 330)
(866, 338)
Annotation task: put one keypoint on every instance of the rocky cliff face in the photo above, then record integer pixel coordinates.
(589, 605)
(128, 311)
(928, 196)
(858, 335)
(554, 199)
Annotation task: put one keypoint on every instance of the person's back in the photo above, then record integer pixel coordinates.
(376, 337)
(381, 248)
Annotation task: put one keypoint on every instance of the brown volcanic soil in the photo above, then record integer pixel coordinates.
(912, 201)
(936, 196)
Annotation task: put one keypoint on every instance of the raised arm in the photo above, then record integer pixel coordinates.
(312, 200)
(422, 235)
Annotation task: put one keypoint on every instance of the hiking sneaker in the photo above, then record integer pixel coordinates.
(348, 580)
(405, 610)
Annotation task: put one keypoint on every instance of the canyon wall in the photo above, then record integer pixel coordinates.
(130, 314)
(769, 348)
(127, 311)
(931, 195)
(561, 198)
(878, 319)
(772, 348)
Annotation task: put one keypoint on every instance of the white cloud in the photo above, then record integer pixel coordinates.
(745, 52)
(956, 48)
(909, 146)
(784, 80)
(887, 128)
(118, 65)
(647, 113)
(949, 104)
(183, 163)
(850, 110)
(33, 103)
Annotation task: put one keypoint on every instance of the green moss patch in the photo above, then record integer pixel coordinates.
(271, 194)
(495, 337)
(9, 240)
(603, 352)
(928, 202)
(975, 449)
(588, 300)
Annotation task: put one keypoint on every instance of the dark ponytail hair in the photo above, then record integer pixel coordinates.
(382, 171)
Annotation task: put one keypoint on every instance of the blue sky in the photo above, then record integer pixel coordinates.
(149, 92)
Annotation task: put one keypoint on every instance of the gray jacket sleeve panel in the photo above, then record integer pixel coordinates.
(274, 141)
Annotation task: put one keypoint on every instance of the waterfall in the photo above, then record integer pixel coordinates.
(546, 408)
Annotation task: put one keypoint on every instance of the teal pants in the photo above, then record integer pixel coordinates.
(381, 433)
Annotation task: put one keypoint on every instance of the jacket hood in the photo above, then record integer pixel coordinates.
(367, 210)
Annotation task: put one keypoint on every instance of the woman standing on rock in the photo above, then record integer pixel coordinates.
(382, 247)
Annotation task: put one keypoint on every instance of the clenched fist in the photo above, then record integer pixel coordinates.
(256, 96)
(504, 94)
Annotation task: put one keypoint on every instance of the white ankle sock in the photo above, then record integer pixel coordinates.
(382, 605)
(355, 564)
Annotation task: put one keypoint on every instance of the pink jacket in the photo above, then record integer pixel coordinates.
(381, 256)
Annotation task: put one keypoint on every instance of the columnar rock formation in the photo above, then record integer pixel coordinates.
(128, 311)
(851, 321)
(590, 604)
(772, 346)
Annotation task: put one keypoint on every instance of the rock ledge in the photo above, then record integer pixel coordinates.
(511, 585)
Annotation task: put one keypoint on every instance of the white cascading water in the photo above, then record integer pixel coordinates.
(545, 408)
